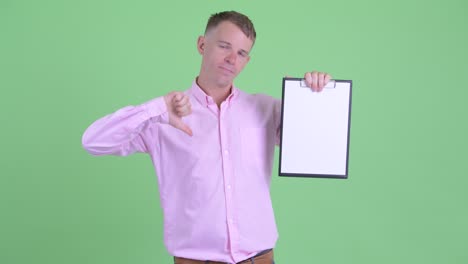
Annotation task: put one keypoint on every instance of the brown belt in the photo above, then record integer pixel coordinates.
(264, 257)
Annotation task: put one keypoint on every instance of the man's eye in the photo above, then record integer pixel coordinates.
(223, 46)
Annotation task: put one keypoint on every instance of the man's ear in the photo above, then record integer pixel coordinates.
(201, 44)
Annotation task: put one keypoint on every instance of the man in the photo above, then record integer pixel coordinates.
(212, 148)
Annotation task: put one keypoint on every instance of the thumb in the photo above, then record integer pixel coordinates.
(179, 124)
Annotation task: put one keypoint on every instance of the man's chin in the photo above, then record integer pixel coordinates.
(225, 82)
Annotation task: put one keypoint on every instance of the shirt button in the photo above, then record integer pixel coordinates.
(229, 186)
(226, 152)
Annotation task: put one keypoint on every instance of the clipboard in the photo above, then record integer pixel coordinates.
(315, 129)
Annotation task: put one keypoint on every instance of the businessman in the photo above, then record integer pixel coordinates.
(212, 148)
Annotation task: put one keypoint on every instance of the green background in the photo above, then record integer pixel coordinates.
(64, 64)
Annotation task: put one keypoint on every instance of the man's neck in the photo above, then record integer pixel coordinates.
(219, 94)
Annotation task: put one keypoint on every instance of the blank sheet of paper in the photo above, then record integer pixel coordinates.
(315, 129)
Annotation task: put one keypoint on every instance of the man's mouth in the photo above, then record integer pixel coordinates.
(227, 70)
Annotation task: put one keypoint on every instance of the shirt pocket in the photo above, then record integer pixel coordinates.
(256, 146)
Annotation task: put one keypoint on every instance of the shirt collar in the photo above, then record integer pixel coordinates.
(206, 100)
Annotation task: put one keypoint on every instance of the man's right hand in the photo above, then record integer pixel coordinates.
(178, 106)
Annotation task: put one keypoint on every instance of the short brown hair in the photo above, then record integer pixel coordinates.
(238, 19)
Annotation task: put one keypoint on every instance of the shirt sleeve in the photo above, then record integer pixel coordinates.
(121, 133)
(277, 114)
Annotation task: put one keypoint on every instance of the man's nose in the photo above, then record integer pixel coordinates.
(231, 58)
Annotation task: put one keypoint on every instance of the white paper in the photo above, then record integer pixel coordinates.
(315, 129)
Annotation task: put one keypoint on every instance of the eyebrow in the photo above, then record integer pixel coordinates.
(227, 43)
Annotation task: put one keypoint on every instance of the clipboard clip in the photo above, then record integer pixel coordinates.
(330, 85)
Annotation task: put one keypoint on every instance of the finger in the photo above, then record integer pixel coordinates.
(183, 100)
(187, 109)
(182, 106)
(327, 78)
(314, 84)
(183, 110)
(177, 97)
(308, 79)
(321, 81)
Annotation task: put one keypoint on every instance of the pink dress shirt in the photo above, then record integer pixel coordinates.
(214, 186)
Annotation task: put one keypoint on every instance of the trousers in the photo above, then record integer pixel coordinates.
(264, 257)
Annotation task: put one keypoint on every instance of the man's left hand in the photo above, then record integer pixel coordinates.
(316, 80)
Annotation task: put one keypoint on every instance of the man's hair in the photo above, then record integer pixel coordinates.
(238, 19)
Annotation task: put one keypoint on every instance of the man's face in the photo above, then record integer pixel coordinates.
(225, 51)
